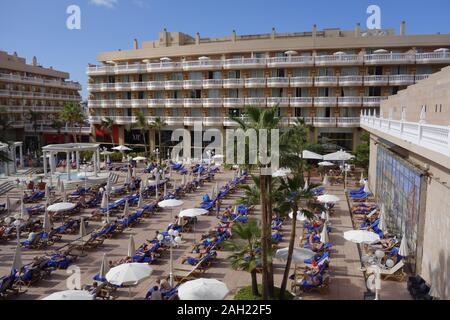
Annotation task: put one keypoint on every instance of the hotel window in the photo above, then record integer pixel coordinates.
(349, 92)
(257, 93)
(302, 92)
(177, 76)
(259, 55)
(301, 112)
(140, 95)
(214, 75)
(196, 112)
(424, 70)
(375, 71)
(257, 74)
(234, 74)
(326, 92)
(177, 94)
(214, 93)
(159, 77)
(235, 93)
(301, 72)
(126, 78)
(159, 95)
(326, 72)
(214, 112)
(396, 70)
(195, 94)
(141, 78)
(195, 76)
(349, 71)
(373, 91)
(111, 79)
(128, 95)
(279, 92)
(234, 112)
(278, 73)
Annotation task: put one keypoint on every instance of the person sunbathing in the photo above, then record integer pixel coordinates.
(382, 244)
(195, 259)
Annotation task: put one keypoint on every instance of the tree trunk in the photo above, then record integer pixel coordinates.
(145, 143)
(263, 196)
(270, 279)
(290, 251)
(255, 291)
(160, 148)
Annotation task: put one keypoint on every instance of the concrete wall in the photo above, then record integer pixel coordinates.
(433, 92)
(436, 248)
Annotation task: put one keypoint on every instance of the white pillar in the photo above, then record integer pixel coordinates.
(52, 163)
(95, 164)
(98, 159)
(78, 160)
(68, 165)
(45, 163)
(14, 158)
(21, 156)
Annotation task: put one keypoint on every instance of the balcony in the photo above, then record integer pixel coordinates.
(278, 101)
(42, 95)
(98, 87)
(338, 60)
(372, 101)
(213, 121)
(174, 103)
(233, 83)
(422, 135)
(290, 61)
(255, 82)
(301, 81)
(174, 121)
(307, 120)
(420, 77)
(12, 109)
(139, 103)
(95, 119)
(325, 101)
(100, 70)
(156, 85)
(255, 101)
(164, 66)
(123, 103)
(125, 119)
(130, 68)
(233, 102)
(301, 101)
(433, 57)
(190, 121)
(244, 63)
(349, 101)
(202, 65)
(212, 102)
(227, 122)
(278, 82)
(351, 81)
(193, 103)
(192, 84)
(122, 86)
(376, 80)
(39, 81)
(389, 58)
(212, 83)
(50, 129)
(326, 81)
(138, 86)
(324, 122)
(348, 122)
(154, 103)
(174, 85)
(401, 80)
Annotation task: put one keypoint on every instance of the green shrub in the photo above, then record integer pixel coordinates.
(246, 294)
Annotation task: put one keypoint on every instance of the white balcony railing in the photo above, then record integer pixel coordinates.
(401, 79)
(325, 81)
(212, 83)
(255, 101)
(290, 61)
(233, 102)
(255, 82)
(233, 83)
(156, 102)
(174, 84)
(301, 81)
(325, 101)
(372, 101)
(277, 82)
(202, 65)
(192, 84)
(433, 57)
(301, 101)
(339, 60)
(349, 101)
(278, 101)
(174, 103)
(192, 102)
(244, 63)
(212, 102)
(432, 137)
(376, 80)
(40, 81)
(389, 58)
(350, 80)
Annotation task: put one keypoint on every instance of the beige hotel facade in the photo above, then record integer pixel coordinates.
(327, 77)
(26, 87)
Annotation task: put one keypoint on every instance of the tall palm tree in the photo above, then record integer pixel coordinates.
(142, 124)
(263, 119)
(57, 125)
(158, 125)
(244, 245)
(73, 114)
(107, 125)
(33, 117)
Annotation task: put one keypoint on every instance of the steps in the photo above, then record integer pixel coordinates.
(5, 187)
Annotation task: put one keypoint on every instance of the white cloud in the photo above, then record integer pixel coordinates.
(141, 3)
(105, 3)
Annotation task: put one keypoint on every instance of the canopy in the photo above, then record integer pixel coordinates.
(338, 156)
(328, 198)
(300, 216)
(298, 254)
(203, 289)
(194, 212)
(403, 250)
(139, 158)
(70, 295)
(61, 207)
(121, 148)
(361, 236)
(326, 164)
(309, 155)
(131, 247)
(129, 274)
(324, 234)
(171, 203)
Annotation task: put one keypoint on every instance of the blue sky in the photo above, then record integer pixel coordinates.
(39, 27)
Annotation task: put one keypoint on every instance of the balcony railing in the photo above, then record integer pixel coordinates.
(301, 81)
(350, 80)
(174, 103)
(174, 84)
(326, 81)
(432, 137)
(233, 102)
(244, 63)
(40, 81)
(433, 57)
(325, 101)
(376, 80)
(202, 65)
(339, 60)
(255, 82)
(233, 83)
(43, 95)
(193, 84)
(212, 102)
(349, 101)
(372, 101)
(212, 83)
(256, 101)
(277, 82)
(301, 101)
(401, 80)
(290, 61)
(190, 103)
(389, 58)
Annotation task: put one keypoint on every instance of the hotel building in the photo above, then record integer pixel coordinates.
(31, 87)
(409, 173)
(326, 77)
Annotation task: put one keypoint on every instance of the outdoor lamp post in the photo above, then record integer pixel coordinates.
(379, 254)
(174, 239)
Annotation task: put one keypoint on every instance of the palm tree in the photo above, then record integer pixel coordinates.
(107, 126)
(158, 124)
(142, 124)
(33, 117)
(263, 119)
(57, 125)
(73, 115)
(245, 245)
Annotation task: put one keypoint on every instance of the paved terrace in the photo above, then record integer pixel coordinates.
(347, 282)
